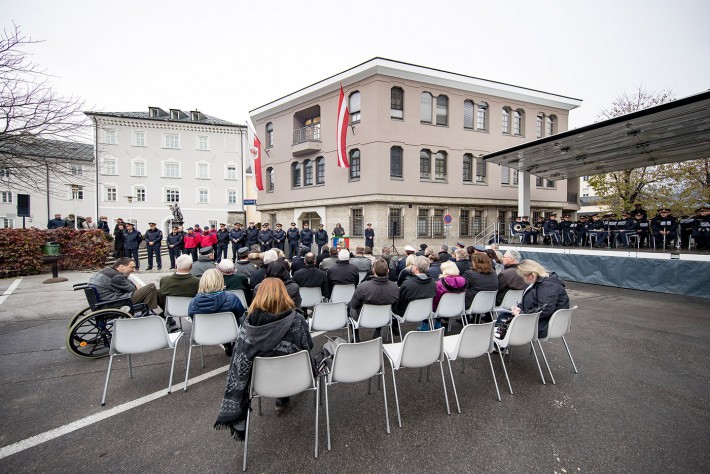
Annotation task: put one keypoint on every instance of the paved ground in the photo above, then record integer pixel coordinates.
(639, 404)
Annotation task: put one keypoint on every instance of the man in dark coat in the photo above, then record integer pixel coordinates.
(343, 272)
(222, 242)
(175, 242)
(265, 237)
(131, 241)
(279, 238)
(369, 236)
(252, 235)
(306, 236)
(321, 237)
(310, 276)
(238, 238)
(57, 222)
(153, 241)
(376, 290)
(508, 279)
(180, 283)
(444, 255)
(293, 236)
(417, 286)
(325, 253)
(103, 224)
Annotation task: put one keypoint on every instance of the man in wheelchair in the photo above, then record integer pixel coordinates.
(113, 284)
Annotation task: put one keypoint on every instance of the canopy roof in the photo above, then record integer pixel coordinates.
(667, 133)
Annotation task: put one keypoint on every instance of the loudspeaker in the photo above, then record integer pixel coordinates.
(394, 229)
(23, 205)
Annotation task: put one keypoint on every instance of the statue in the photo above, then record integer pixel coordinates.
(177, 214)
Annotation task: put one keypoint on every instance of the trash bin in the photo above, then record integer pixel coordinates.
(50, 248)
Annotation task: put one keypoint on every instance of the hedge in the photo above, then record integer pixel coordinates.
(21, 249)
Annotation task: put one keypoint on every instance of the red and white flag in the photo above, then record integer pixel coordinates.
(343, 121)
(254, 150)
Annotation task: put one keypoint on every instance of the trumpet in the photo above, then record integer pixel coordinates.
(527, 228)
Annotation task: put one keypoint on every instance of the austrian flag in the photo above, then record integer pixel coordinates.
(254, 149)
(343, 119)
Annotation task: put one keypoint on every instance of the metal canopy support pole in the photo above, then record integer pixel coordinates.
(523, 193)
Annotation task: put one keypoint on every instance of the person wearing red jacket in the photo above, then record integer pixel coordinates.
(191, 240)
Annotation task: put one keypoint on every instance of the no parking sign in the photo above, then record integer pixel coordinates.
(448, 219)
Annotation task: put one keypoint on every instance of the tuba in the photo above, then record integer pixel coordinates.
(518, 228)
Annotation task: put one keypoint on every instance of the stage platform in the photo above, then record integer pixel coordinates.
(682, 272)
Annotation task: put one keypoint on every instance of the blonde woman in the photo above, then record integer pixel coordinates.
(211, 297)
(407, 270)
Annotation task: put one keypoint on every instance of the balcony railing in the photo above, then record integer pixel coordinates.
(306, 134)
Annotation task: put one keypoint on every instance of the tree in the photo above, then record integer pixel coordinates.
(35, 119)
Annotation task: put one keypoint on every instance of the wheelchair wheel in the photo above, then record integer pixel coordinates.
(90, 336)
(78, 315)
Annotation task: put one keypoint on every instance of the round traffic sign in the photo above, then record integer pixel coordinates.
(448, 219)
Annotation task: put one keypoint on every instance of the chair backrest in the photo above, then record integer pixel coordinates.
(511, 298)
(522, 329)
(361, 276)
(422, 348)
(176, 306)
(451, 305)
(374, 316)
(215, 328)
(358, 361)
(329, 317)
(483, 302)
(92, 296)
(283, 376)
(139, 335)
(242, 297)
(560, 323)
(418, 310)
(310, 296)
(475, 340)
(342, 293)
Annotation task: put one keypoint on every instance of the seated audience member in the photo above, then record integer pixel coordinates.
(272, 328)
(180, 283)
(330, 261)
(508, 279)
(434, 264)
(279, 269)
(343, 272)
(369, 256)
(113, 283)
(269, 257)
(417, 286)
(377, 290)
(495, 261)
(401, 264)
(204, 262)
(360, 261)
(480, 277)
(233, 280)
(463, 261)
(243, 265)
(311, 276)
(449, 282)
(299, 261)
(407, 270)
(444, 255)
(324, 253)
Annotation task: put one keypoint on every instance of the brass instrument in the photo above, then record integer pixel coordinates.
(527, 228)
(518, 228)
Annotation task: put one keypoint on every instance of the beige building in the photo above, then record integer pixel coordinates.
(414, 145)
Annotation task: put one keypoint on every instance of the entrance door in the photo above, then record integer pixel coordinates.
(310, 218)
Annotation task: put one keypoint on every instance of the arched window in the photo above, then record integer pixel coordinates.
(482, 116)
(354, 107)
(269, 179)
(538, 126)
(269, 135)
(425, 107)
(442, 110)
(307, 173)
(396, 162)
(320, 170)
(355, 164)
(440, 165)
(397, 103)
(518, 122)
(505, 120)
(468, 114)
(551, 127)
(296, 174)
(424, 165)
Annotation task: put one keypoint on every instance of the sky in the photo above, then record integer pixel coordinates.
(225, 58)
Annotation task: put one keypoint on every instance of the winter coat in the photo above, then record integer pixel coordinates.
(374, 290)
(236, 281)
(311, 276)
(307, 237)
(174, 239)
(190, 240)
(476, 281)
(415, 287)
(155, 236)
(251, 236)
(292, 289)
(177, 284)
(342, 273)
(509, 279)
(131, 240)
(112, 285)
(448, 284)
(217, 302)
(245, 267)
(202, 265)
(547, 295)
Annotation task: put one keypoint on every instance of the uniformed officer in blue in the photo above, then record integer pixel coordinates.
(265, 237)
(131, 240)
(369, 236)
(321, 237)
(306, 236)
(237, 237)
(279, 237)
(293, 236)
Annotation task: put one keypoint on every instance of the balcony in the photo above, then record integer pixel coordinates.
(306, 140)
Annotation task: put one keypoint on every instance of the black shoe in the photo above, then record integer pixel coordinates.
(160, 268)
(149, 268)
(228, 348)
(282, 404)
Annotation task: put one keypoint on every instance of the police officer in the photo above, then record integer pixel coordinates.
(306, 236)
(664, 227)
(369, 236)
(153, 240)
(552, 229)
(293, 237)
(321, 237)
(252, 235)
(687, 227)
(566, 230)
(238, 238)
(175, 242)
(641, 227)
(222, 242)
(528, 235)
(265, 237)
(597, 227)
(131, 240)
(701, 230)
(580, 231)
(279, 237)
(625, 227)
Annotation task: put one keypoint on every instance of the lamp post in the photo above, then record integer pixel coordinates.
(130, 208)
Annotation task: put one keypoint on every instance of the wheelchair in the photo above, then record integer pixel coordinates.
(89, 332)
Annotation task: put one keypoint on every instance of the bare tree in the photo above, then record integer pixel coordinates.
(40, 130)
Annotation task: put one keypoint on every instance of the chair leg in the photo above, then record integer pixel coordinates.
(493, 373)
(172, 369)
(570, 355)
(537, 361)
(246, 442)
(544, 357)
(202, 355)
(453, 384)
(396, 398)
(327, 412)
(130, 367)
(505, 371)
(443, 382)
(384, 393)
(260, 406)
(401, 334)
(463, 365)
(108, 374)
(317, 399)
(187, 369)
(391, 333)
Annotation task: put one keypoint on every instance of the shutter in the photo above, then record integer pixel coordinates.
(504, 175)
(468, 114)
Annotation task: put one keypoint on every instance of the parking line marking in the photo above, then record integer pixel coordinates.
(9, 291)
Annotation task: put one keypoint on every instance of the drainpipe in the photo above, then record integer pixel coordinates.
(96, 167)
(46, 164)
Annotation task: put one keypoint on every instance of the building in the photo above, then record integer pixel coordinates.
(150, 161)
(57, 175)
(416, 138)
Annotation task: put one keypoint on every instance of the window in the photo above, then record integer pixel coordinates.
(269, 135)
(442, 110)
(171, 170)
(7, 223)
(6, 196)
(440, 165)
(468, 114)
(397, 103)
(464, 223)
(551, 127)
(538, 126)
(139, 168)
(504, 175)
(4, 172)
(478, 223)
(437, 224)
(550, 183)
(110, 167)
(203, 171)
(424, 165)
(174, 115)
(481, 168)
(203, 196)
(518, 122)
(505, 120)
(138, 138)
(172, 195)
(269, 179)
(110, 137)
(171, 140)
(77, 192)
(354, 107)
(423, 223)
(110, 195)
(320, 170)
(355, 164)
(77, 170)
(468, 168)
(357, 222)
(538, 181)
(307, 173)
(203, 142)
(396, 162)
(585, 178)
(482, 116)
(295, 174)
(394, 222)
(231, 172)
(231, 196)
(140, 194)
(425, 107)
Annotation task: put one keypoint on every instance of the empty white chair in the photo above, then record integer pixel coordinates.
(558, 327)
(473, 341)
(374, 316)
(279, 377)
(176, 307)
(356, 362)
(329, 317)
(211, 330)
(483, 303)
(416, 312)
(521, 331)
(419, 349)
(242, 297)
(342, 293)
(451, 305)
(511, 298)
(310, 296)
(139, 336)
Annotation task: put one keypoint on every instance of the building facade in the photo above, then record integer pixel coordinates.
(148, 162)
(415, 144)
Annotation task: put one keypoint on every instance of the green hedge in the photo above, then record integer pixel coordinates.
(21, 250)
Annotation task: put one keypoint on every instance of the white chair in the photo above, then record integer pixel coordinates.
(329, 317)
(521, 331)
(451, 305)
(416, 312)
(419, 349)
(356, 362)
(510, 299)
(473, 341)
(242, 297)
(558, 327)
(483, 303)
(279, 377)
(211, 330)
(139, 336)
(342, 293)
(310, 296)
(373, 317)
(361, 276)
(176, 307)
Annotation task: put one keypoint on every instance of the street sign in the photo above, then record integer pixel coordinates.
(448, 219)
(250, 202)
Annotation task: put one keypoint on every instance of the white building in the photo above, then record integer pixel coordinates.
(149, 161)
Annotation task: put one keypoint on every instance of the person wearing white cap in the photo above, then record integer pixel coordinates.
(343, 272)
(401, 264)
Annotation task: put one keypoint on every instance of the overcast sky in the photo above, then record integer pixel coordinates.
(225, 58)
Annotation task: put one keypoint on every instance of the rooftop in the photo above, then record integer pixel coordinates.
(35, 147)
(175, 115)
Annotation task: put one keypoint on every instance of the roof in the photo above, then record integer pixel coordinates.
(45, 148)
(667, 133)
(408, 71)
(186, 118)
